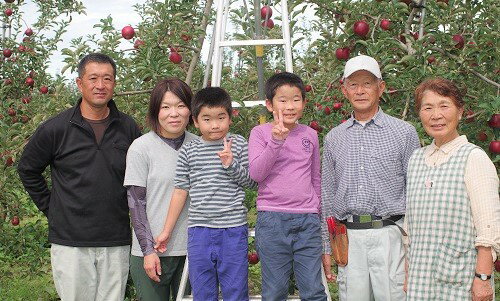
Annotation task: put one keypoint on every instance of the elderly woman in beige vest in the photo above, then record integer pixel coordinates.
(453, 207)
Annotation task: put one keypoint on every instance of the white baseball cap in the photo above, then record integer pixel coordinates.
(362, 62)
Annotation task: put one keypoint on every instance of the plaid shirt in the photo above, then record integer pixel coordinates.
(364, 169)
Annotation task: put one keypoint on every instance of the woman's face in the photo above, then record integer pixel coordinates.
(173, 116)
(440, 117)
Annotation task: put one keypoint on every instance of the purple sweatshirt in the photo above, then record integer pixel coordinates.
(288, 173)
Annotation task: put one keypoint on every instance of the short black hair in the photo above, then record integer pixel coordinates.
(282, 79)
(211, 97)
(95, 57)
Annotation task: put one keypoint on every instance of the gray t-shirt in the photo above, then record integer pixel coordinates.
(151, 163)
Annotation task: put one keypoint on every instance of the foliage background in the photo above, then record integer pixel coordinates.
(319, 28)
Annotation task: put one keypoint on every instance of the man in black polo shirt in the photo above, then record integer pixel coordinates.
(86, 205)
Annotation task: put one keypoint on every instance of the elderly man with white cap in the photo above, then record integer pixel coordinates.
(363, 187)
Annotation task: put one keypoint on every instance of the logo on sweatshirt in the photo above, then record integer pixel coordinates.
(306, 144)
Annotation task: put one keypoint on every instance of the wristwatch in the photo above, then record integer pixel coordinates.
(483, 277)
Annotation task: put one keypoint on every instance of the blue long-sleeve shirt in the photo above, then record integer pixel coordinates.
(364, 168)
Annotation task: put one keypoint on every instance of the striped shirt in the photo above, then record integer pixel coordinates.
(217, 193)
(364, 168)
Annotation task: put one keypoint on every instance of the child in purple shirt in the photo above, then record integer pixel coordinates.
(284, 159)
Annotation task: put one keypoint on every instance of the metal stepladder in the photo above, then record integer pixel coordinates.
(215, 52)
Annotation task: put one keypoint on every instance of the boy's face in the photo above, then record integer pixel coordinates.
(287, 99)
(213, 123)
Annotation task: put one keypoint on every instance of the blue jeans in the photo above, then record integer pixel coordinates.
(286, 242)
(218, 256)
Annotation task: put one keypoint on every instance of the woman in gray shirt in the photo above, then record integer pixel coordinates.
(151, 162)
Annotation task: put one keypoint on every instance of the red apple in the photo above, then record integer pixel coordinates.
(28, 32)
(308, 88)
(7, 52)
(26, 100)
(415, 35)
(15, 220)
(236, 112)
(495, 147)
(494, 121)
(44, 89)
(342, 53)
(21, 48)
(128, 32)
(268, 23)
(459, 41)
(431, 59)
(314, 124)
(29, 81)
(328, 111)
(361, 28)
(9, 161)
(25, 119)
(32, 74)
(266, 12)
(138, 43)
(385, 24)
(175, 57)
(8, 81)
(11, 112)
(481, 136)
(253, 258)
(497, 265)
(185, 37)
(337, 106)
(8, 12)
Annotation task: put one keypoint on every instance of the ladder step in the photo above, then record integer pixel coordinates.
(251, 42)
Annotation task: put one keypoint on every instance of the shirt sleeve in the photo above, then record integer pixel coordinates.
(136, 197)
(412, 143)
(262, 155)
(481, 180)
(328, 187)
(182, 170)
(37, 155)
(316, 169)
(238, 170)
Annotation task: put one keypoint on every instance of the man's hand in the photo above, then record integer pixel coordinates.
(162, 241)
(327, 266)
(481, 290)
(279, 131)
(226, 155)
(152, 266)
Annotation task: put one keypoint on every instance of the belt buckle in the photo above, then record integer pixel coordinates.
(365, 218)
(377, 224)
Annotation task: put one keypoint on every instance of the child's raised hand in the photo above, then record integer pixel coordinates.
(226, 155)
(279, 131)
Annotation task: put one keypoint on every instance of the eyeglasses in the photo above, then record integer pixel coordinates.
(352, 86)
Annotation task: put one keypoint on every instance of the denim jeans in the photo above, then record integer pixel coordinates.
(218, 256)
(289, 242)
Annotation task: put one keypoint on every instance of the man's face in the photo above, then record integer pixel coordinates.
(363, 91)
(97, 84)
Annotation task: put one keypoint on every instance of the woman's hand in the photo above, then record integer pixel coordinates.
(481, 290)
(152, 266)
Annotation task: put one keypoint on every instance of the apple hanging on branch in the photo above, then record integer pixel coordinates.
(28, 32)
(269, 23)
(253, 258)
(495, 147)
(7, 52)
(494, 121)
(8, 12)
(15, 220)
(266, 12)
(361, 28)
(385, 24)
(128, 32)
(175, 57)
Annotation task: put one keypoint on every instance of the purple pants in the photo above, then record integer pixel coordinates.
(218, 256)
